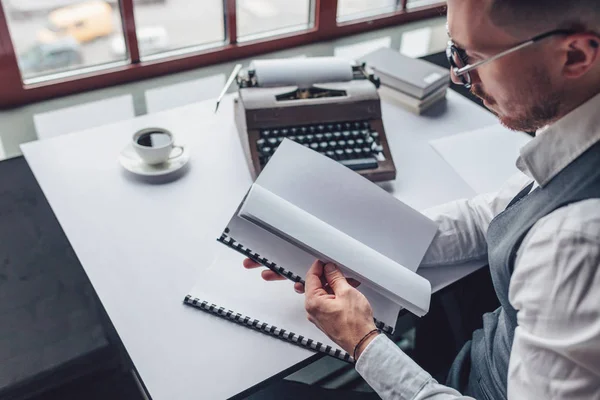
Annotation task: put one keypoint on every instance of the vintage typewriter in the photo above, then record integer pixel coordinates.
(328, 104)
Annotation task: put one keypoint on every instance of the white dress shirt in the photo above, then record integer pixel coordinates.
(555, 286)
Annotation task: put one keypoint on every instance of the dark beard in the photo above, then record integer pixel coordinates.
(542, 107)
(537, 117)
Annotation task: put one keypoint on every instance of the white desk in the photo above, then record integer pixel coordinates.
(142, 267)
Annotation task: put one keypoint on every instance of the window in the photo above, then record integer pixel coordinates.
(353, 9)
(262, 17)
(420, 3)
(60, 47)
(60, 35)
(165, 25)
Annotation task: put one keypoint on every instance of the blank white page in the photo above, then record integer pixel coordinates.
(350, 203)
(494, 150)
(328, 244)
(226, 284)
(294, 259)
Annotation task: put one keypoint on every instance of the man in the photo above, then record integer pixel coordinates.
(540, 232)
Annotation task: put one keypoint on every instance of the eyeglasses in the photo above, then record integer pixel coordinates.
(459, 61)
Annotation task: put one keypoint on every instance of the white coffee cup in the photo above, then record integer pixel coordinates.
(155, 145)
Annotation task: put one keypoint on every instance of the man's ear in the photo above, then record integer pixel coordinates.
(583, 51)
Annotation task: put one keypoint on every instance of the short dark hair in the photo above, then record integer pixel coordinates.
(538, 16)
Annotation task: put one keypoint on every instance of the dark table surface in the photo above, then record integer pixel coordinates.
(48, 310)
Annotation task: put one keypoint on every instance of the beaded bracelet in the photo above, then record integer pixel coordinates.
(361, 341)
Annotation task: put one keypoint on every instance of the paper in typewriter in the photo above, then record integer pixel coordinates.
(303, 197)
(229, 291)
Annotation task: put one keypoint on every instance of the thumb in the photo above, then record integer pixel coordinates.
(335, 278)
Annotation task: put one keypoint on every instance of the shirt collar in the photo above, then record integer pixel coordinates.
(559, 144)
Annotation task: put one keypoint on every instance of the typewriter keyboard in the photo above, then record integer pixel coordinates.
(353, 144)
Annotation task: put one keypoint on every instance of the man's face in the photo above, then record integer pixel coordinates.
(523, 89)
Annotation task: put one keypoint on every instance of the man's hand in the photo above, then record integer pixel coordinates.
(269, 275)
(336, 308)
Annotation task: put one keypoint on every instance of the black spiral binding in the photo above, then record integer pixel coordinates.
(240, 248)
(271, 330)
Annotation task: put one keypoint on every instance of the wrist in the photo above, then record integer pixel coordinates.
(361, 344)
(360, 348)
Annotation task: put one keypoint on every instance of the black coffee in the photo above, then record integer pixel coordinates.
(154, 139)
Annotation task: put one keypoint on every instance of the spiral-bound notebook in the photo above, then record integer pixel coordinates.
(281, 224)
(248, 253)
(231, 294)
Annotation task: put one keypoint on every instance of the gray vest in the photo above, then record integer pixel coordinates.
(490, 347)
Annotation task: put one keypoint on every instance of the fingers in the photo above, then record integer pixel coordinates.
(335, 278)
(269, 275)
(314, 286)
(272, 276)
(321, 284)
(248, 263)
(298, 287)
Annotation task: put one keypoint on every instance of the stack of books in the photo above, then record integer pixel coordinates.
(411, 83)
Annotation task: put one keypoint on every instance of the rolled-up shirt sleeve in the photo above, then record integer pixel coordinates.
(463, 224)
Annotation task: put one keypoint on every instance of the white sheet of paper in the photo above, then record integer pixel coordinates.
(493, 149)
(348, 202)
(301, 72)
(226, 284)
(298, 261)
(328, 244)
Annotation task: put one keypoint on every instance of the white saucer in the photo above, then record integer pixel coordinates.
(134, 164)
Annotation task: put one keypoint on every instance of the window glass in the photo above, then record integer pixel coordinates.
(422, 3)
(271, 17)
(354, 9)
(53, 36)
(165, 25)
